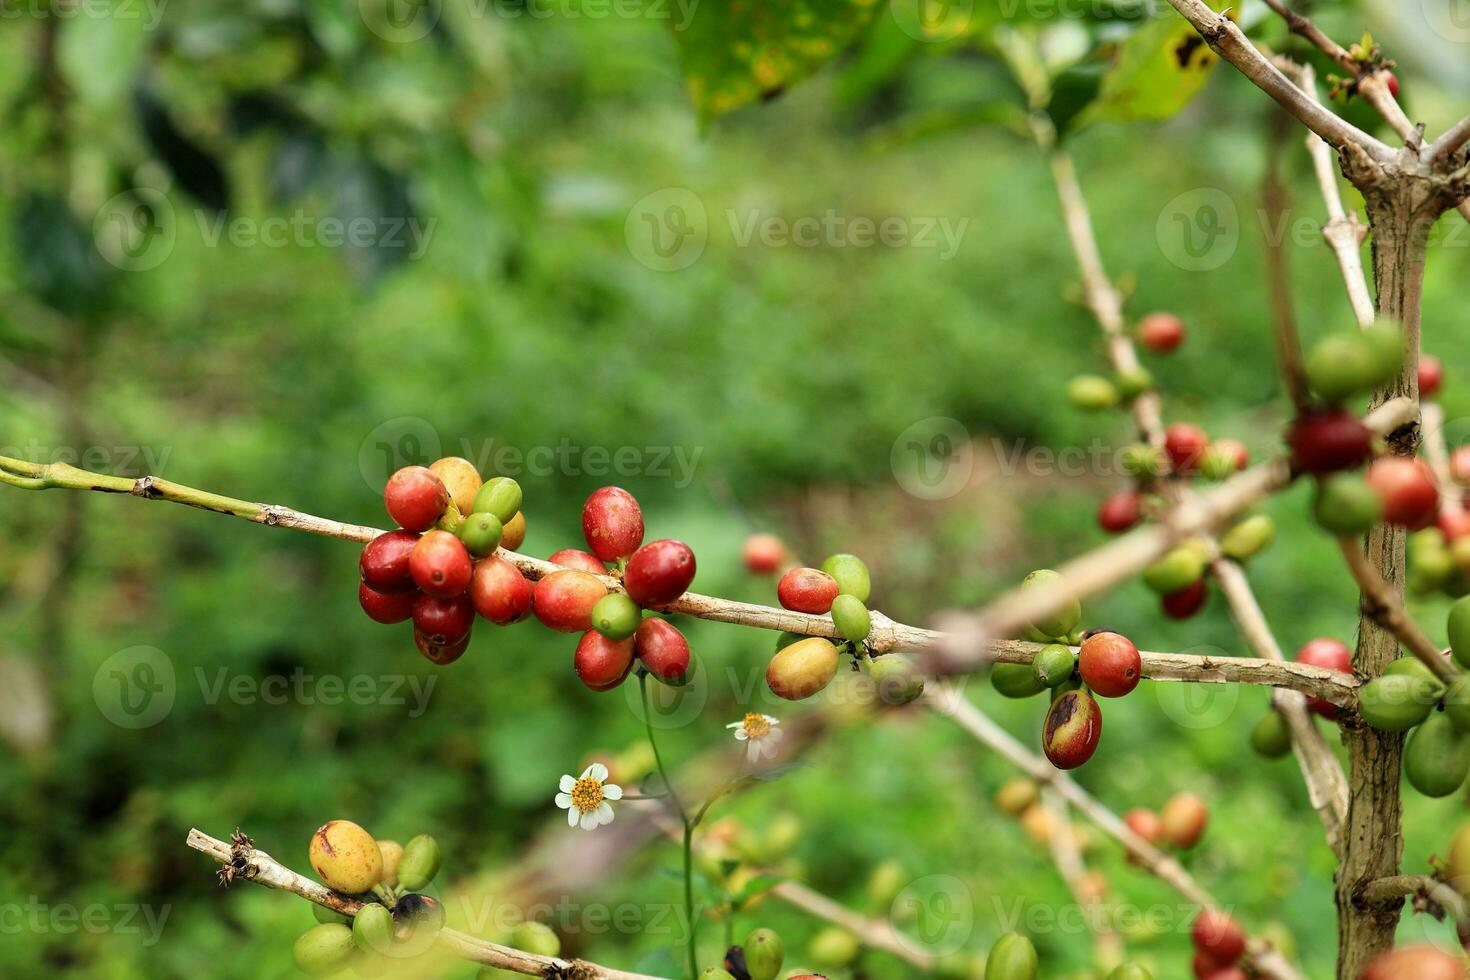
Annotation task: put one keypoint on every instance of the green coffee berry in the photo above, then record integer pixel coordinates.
(1342, 364)
(1459, 630)
(851, 617)
(1345, 505)
(1143, 461)
(1092, 392)
(851, 574)
(715, 973)
(1437, 757)
(500, 496)
(419, 863)
(323, 949)
(1015, 680)
(1131, 384)
(1217, 463)
(536, 937)
(833, 947)
(786, 639)
(1386, 339)
(1396, 702)
(1248, 538)
(764, 953)
(481, 533)
(1011, 958)
(1175, 571)
(1064, 620)
(1054, 664)
(616, 616)
(329, 916)
(372, 928)
(896, 679)
(1270, 737)
(1130, 971)
(1457, 702)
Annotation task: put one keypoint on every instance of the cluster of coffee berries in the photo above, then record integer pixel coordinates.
(440, 568)
(804, 665)
(1161, 333)
(758, 958)
(1219, 944)
(616, 634)
(1270, 737)
(394, 920)
(1104, 663)
(1180, 823)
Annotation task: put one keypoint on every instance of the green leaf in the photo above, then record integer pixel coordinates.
(1158, 71)
(59, 262)
(932, 123)
(737, 52)
(757, 886)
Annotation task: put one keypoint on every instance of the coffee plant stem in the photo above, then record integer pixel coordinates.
(1452, 139)
(1384, 605)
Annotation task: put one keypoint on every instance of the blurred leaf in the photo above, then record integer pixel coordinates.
(735, 53)
(100, 55)
(60, 264)
(1159, 70)
(939, 122)
(195, 169)
(659, 963)
(336, 27)
(365, 193)
(756, 886)
(1073, 93)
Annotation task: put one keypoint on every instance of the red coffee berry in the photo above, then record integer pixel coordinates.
(1431, 374)
(1072, 728)
(1408, 491)
(383, 607)
(1120, 511)
(1236, 449)
(1454, 522)
(659, 572)
(1460, 465)
(1205, 967)
(764, 554)
(602, 664)
(1415, 963)
(1187, 601)
(1332, 654)
(1161, 332)
(500, 592)
(573, 558)
(612, 523)
(384, 562)
(1109, 664)
(1392, 81)
(1218, 936)
(1144, 823)
(662, 648)
(564, 600)
(441, 653)
(415, 498)
(1329, 440)
(1183, 820)
(442, 621)
(1185, 444)
(807, 590)
(440, 565)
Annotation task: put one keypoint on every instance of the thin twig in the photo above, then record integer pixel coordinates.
(1436, 453)
(1450, 141)
(1067, 856)
(1430, 894)
(1387, 610)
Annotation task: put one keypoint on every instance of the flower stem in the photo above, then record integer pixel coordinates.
(689, 900)
(689, 826)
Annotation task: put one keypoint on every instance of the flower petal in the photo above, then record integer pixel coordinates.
(573, 815)
(598, 772)
(611, 791)
(770, 719)
(589, 820)
(563, 800)
(754, 751)
(742, 735)
(736, 724)
(605, 814)
(566, 784)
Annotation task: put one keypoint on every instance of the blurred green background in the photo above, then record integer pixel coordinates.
(764, 385)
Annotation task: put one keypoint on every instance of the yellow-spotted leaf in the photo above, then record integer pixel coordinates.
(1158, 71)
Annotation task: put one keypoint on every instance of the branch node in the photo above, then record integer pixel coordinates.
(145, 487)
(239, 865)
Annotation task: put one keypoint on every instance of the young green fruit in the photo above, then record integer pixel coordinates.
(1346, 505)
(1271, 738)
(1437, 757)
(1248, 538)
(481, 533)
(419, 863)
(851, 575)
(1130, 971)
(896, 679)
(1459, 630)
(715, 973)
(1134, 382)
(851, 617)
(616, 616)
(1396, 702)
(323, 949)
(1065, 619)
(1011, 958)
(328, 916)
(500, 496)
(1343, 364)
(1142, 460)
(372, 928)
(1459, 861)
(345, 857)
(833, 947)
(802, 669)
(1092, 392)
(1054, 664)
(1457, 702)
(786, 639)
(536, 937)
(1175, 571)
(1217, 463)
(1015, 680)
(764, 954)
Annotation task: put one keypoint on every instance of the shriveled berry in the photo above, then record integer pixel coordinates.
(1109, 664)
(1071, 731)
(659, 572)
(1054, 664)
(582, 560)
(564, 600)
(1120, 511)
(442, 621)
(1431, 374)
(1183, 820)
(1332, 654)
(1068, 612)
(440, 565)
(345, 857)
(515, 532)
(417, 920)
(460, 478)
(442, 654)
(601, 663)
(662, 648)
(807, 590)
(1270, 737)
(500, 496)
(1218, 936)
(1346, 505)
(323, 949)
(1161, 332)
(500, 592)
(415, 498)
(764, 554)
(1185, 445)
(851, 617)
(616, 616)
(612, 523)
(385, 608)
(1329, 440)
(802, 669)
(384, 562)
(481, 534)
(1408, 491)
(1187, 602)
(851, 575)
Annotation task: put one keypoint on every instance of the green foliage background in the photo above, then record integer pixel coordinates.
(272, 373)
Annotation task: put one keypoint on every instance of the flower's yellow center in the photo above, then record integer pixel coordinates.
(587, 795)
(756, 726)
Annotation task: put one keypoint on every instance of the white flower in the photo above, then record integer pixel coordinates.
(587, 799)
(760, 734)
